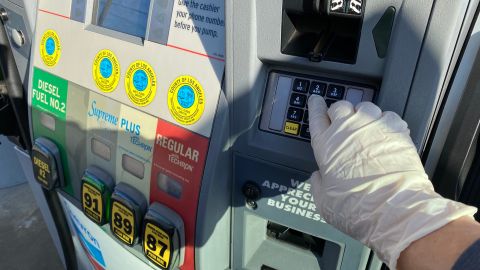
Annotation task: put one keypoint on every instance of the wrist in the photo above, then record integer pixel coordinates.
(441, 248)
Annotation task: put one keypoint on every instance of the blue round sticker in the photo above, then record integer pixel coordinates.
(50, 46)
(185, 96)
(140, 80)
(106, 68)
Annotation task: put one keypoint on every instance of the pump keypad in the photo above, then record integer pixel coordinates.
(286, 103)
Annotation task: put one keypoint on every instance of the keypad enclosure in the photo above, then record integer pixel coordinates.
(285, 109)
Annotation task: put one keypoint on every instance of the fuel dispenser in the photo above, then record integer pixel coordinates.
(280, 52)
(175, 133)
(124, 96)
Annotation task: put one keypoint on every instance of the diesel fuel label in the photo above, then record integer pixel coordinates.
(186, 100)
(49, 93)
(50, 48)
(92, 202)
(156, 245)
(106, 71)
(140, 83)
(41, 169)
(122, 223)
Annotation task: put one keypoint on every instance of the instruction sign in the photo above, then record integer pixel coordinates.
(199, 26)
(49, 93)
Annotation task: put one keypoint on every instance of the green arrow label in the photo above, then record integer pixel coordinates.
(49, 93)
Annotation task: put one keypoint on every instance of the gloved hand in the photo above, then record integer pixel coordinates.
(371, 183)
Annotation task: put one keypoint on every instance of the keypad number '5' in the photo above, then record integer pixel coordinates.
(122, 223)
(156, 245)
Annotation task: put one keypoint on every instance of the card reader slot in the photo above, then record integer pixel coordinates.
(296, 238)
(319, 36)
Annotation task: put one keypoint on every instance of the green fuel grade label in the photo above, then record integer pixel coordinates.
(49, 93)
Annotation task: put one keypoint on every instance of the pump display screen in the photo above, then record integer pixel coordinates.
(125, 16)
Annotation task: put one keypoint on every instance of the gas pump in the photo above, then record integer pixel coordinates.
(125, 98)
(282, 52)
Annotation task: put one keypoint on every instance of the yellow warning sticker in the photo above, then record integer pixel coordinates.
(92, 202)
(186, 100)
(122, 223)
(106, 71)
(50, 48)
(140, 83)
(156, 245)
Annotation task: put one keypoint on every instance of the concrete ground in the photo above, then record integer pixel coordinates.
(24, 239)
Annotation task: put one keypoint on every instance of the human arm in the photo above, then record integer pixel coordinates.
(442, 248)
(371, 183)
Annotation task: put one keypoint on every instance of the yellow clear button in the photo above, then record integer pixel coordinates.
(291, 128)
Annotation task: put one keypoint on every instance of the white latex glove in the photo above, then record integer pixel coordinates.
(371, 183)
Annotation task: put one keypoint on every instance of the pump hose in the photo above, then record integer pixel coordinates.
(16, 93)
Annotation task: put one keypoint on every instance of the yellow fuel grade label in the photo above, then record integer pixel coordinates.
(140, 83)
(122, 223)
(50, 48)
(92, 202)
(186, 100)
(156, 245)
(106, 71)
(41, 169)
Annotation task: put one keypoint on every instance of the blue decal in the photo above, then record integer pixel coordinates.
(91, 246)
(106, 68)
(50, 46)
(140, 80)
(185, 96)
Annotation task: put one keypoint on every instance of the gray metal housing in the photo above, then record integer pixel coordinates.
(426, 39)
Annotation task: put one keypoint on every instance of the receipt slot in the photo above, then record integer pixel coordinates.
(127, 210)
(163, 237)
(97, 188)
(47, 167)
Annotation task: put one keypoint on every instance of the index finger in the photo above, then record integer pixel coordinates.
(317, 114)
